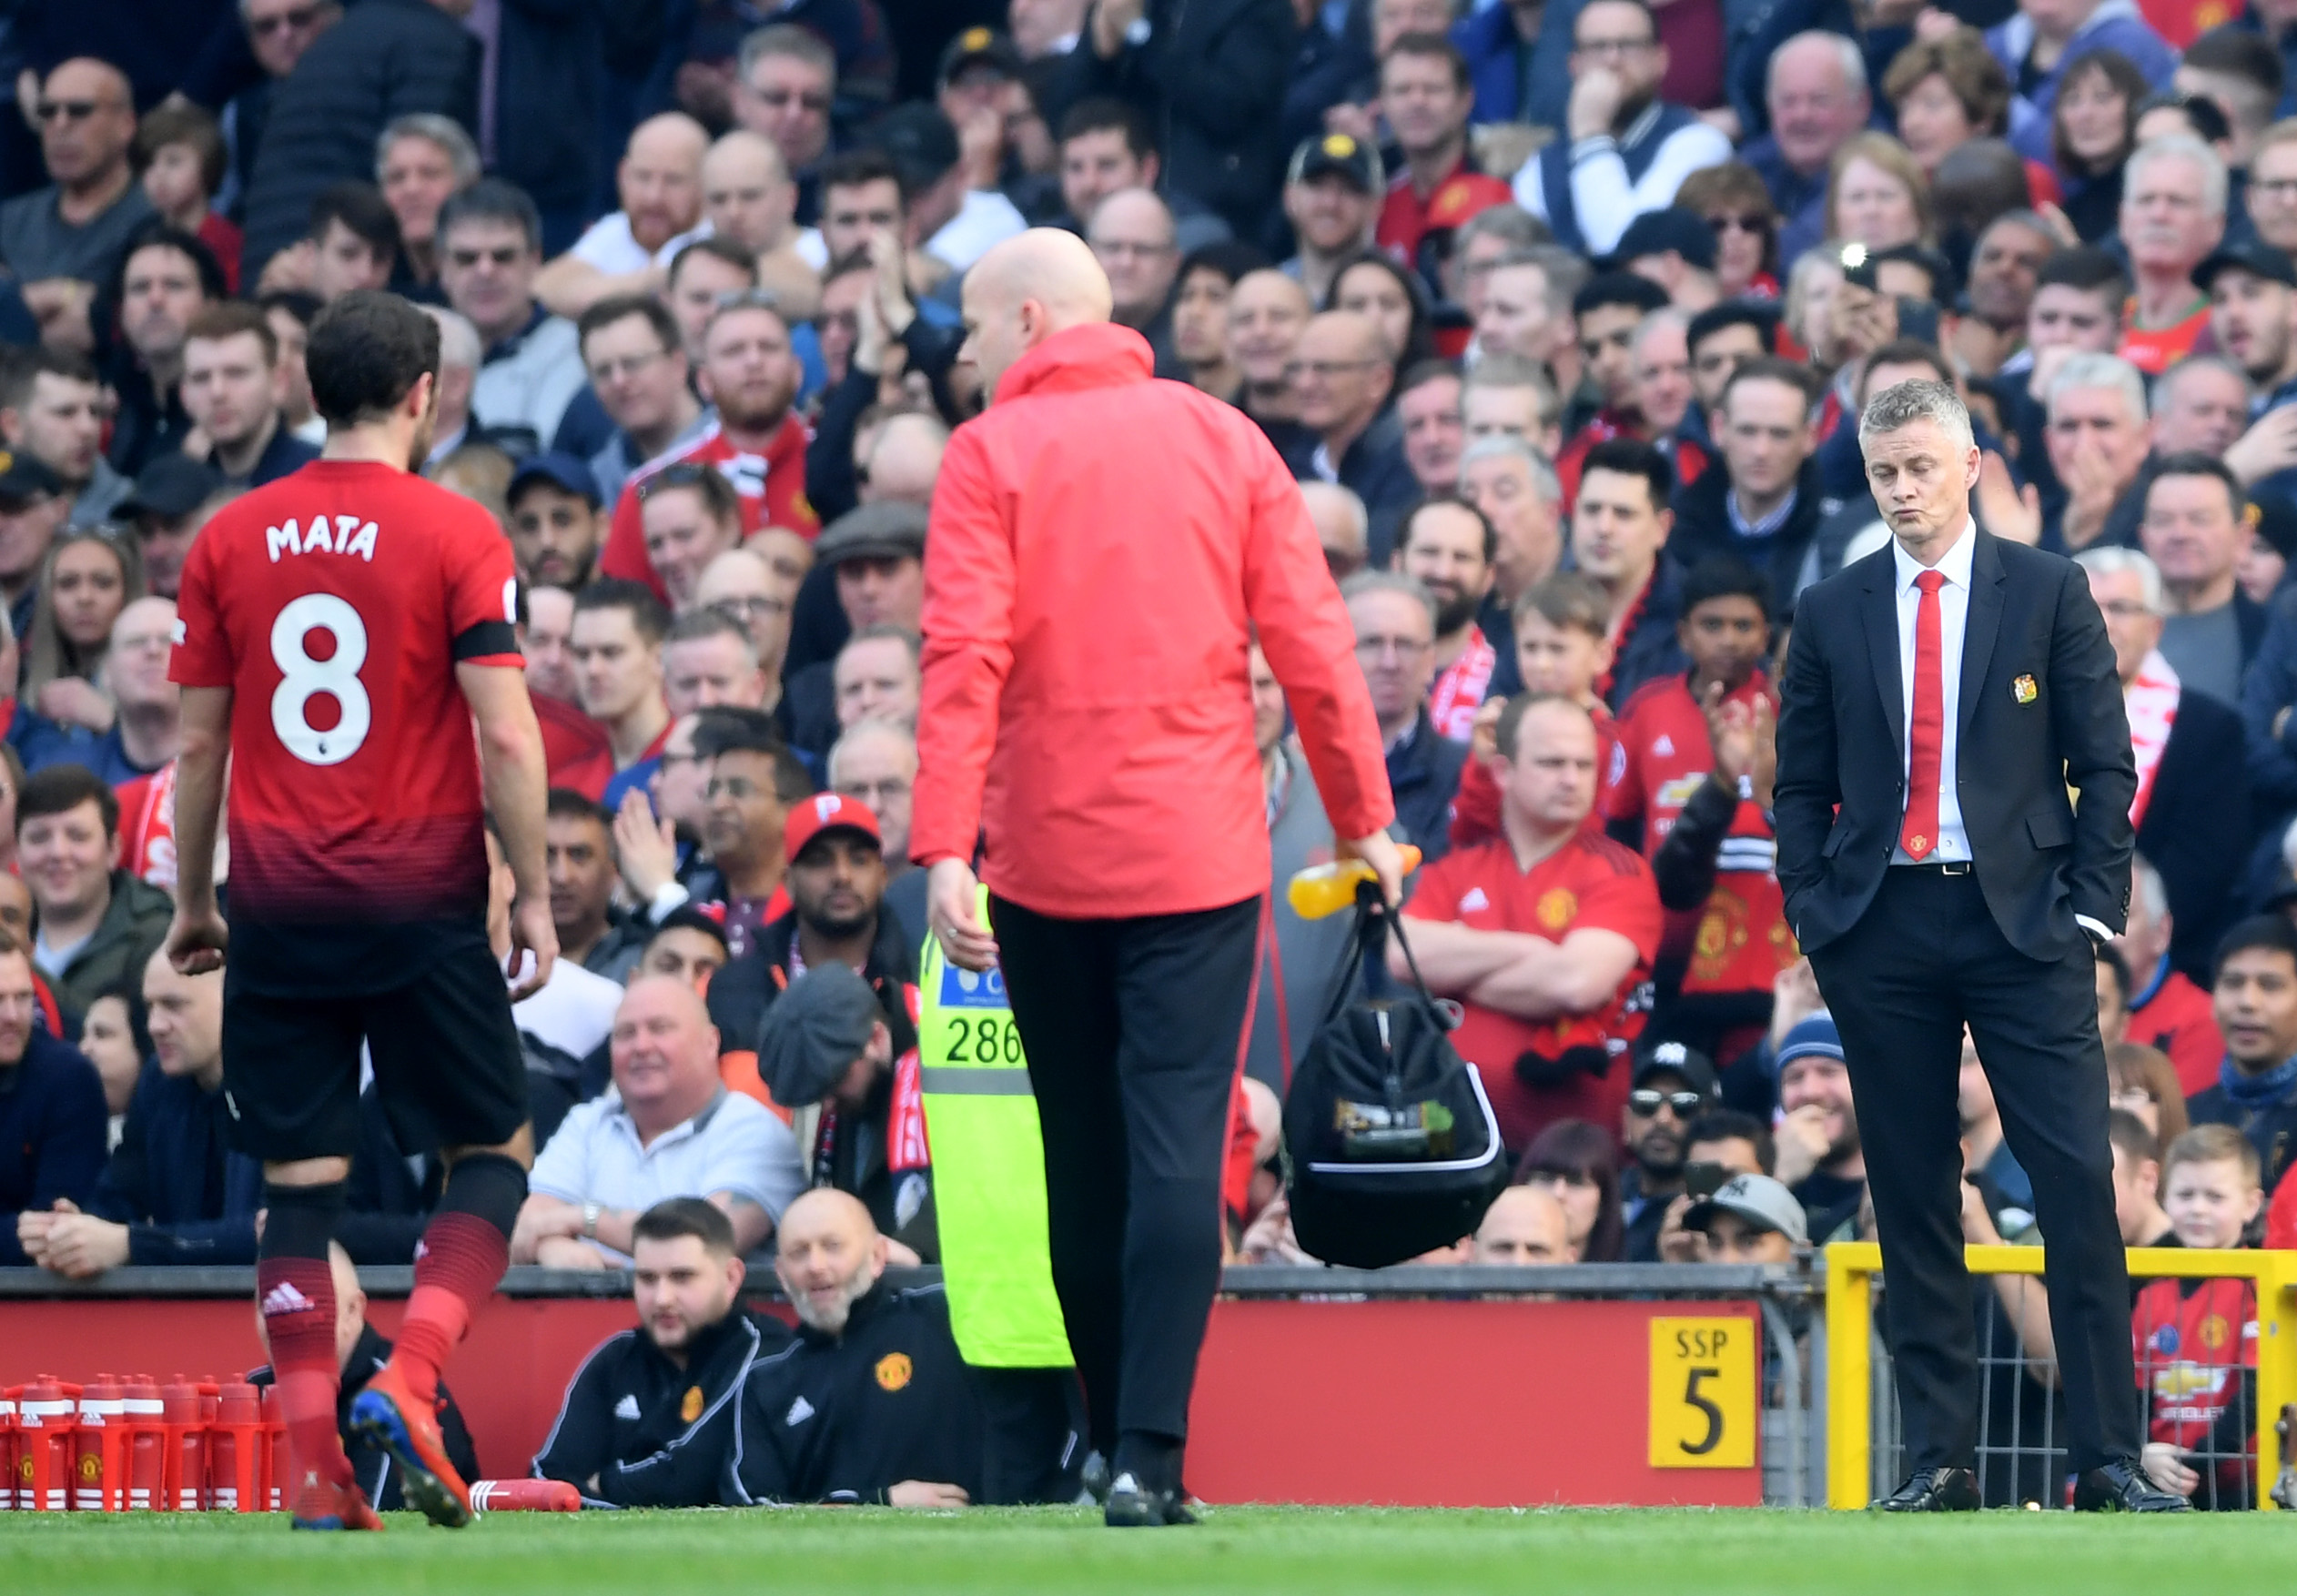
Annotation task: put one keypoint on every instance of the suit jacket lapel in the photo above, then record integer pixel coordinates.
(1881, 617)
(1984, 619)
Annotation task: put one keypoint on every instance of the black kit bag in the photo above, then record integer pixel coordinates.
(1391, 1146)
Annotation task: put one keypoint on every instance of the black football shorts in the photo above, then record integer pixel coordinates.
(449, 1072)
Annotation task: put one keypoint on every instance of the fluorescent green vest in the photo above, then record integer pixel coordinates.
(989, 1170)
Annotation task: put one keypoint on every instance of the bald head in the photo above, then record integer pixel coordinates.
(1524, 1225)
(1344, 375)
(746, 192)
(660, 178)
(1342, 526)
(828, 1255)
(1131, 235)
(1024, 291)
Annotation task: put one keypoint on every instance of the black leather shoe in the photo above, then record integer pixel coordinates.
(2123, 1487)
(1133, 1506)
(1934, 1490)
(1093, 1480)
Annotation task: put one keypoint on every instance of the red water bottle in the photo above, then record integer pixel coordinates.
(96, 1460)
(8, 1447)
(44, 1474)
(524, 1495)
(233, 1466)
(184, 1483)
(145, 1447)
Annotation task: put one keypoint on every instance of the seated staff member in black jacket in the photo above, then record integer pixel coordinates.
(363, 1354)
(649, 1416)
(873, 1404)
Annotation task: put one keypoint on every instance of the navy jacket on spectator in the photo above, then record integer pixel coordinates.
(1511, 79)
(386, 58)
(41, 742)
(1424, 772)
(1209, 75)
(184, 1195)
(2196, 829)
(52, 1133)
(2269, 687)
(1801, 201)
(1702, 528)
(2271, 1127)
(1329, 69)
(1375, 470)
(1649, 650)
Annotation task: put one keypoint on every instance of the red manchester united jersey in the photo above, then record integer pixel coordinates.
(1739, 939)
(2196, 1348)
(336, 604)
(1590, 882)
(771, 486)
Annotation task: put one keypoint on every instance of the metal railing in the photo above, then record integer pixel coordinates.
(2021, 1454)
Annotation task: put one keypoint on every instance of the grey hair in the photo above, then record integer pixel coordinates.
(1352, 505)
(1567, 272)
(1507, 445)
(1390, 582)
(2166, 384)
(2182, 147)
(443, 131)
(1918, 400)
(873, 726)
(786, 39)
(1511, 224)
(1666, 316)
(2145, 882)
(2113, 561)
(2106, 371)
(459, 346)
(1847, 55)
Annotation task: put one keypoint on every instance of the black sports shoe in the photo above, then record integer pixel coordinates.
(1094, 1480)
(2124, 1487)
(1133, 1506)
(1934, 1490)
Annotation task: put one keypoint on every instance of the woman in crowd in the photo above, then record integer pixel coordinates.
(1945, 91)
(112, 1038)
(1733, 201)
(88, 579)
(1578, 1164)
(2093, 128)
(2142, 1080)
(1373, 286)
(1876, 194)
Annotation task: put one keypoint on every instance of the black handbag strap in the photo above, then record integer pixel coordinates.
(1375, 921)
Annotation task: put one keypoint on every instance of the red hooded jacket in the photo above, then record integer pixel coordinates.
(1101, 545)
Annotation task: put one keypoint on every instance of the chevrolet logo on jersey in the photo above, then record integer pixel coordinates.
(972, 989)
(2188, 1379)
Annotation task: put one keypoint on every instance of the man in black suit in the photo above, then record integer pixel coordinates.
(1945, 692)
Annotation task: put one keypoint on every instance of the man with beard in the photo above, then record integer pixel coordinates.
(873, 1404)
(1819, 1157)
(555, 522)
(1449, 546)
(648, 1417)
(1672, 1085)
(1628, 151)
(832, 853)
(749, 372)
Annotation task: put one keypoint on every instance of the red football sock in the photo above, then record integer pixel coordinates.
(458, 1268)
(297, 1296)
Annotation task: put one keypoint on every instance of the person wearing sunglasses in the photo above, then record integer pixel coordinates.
(62, 240)
(1671, 1085)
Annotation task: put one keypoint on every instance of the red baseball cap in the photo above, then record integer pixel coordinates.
(826, 811)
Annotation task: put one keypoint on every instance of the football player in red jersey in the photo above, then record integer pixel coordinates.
(340, 632)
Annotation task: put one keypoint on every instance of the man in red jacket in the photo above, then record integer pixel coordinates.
(1093, 527)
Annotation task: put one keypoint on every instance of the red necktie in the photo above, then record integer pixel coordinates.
(1926, 732)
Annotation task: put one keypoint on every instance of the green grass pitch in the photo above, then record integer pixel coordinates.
(1241, 1549)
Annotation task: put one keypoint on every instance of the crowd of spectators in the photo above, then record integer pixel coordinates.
(1563, 316)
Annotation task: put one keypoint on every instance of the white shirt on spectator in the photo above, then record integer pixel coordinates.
(609, 245)
(985, 220)
(573, 1013)
(733, 1146)
(1603, 200)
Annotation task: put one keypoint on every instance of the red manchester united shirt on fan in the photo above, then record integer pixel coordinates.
(336, 604)
(1590, 882)
(771, 486)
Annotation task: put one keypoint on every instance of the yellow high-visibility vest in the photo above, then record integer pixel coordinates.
(989, 1169)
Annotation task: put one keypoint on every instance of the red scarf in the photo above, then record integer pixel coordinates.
(148, 831)
(2152, 700)
(1459, 688)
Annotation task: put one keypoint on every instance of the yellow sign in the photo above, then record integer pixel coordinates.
(1703, 1391)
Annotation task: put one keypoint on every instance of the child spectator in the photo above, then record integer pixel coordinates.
(2196, 1340)
(180, 159)
(1560, 648)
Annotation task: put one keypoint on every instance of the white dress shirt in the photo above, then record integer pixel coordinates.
(1954, 615)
